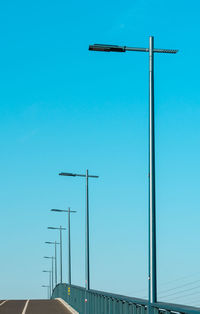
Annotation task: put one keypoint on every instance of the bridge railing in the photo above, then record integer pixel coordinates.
(99, 302)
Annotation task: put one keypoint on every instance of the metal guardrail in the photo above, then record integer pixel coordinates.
(99, 302)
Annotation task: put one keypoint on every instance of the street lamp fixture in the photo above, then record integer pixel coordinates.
(152, 196)
(54, 243)
(107, 48)
(67, 174)
(69, 211)
(48, 291)
(115, 48)
(87, 245)
(60, 229)
(50, 274)
(52, 258)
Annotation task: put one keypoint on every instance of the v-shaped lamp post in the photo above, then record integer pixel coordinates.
(152, 198)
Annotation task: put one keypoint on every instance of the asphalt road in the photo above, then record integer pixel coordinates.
(32, 307)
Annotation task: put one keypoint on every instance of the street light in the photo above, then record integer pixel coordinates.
(152, 206)
(115, 48)
(52, 258)
(61, 229)
(69, 239)
(55, 243)
(87, 266)
(50, 274)
(48, 291)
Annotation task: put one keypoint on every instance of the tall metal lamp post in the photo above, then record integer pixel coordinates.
(52, 258)
(69, 211)
(50, 274)
(54, 243)
(87, 266)
(48, 291)
(152, 198)
(60, 229)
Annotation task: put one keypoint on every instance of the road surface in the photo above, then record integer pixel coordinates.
(32, 307)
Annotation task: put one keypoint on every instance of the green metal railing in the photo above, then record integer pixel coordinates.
(99, 302)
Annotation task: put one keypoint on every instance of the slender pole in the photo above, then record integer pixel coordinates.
(50, 283)
(55, 265)
(52, 273)
(152, 199)
(87, 280)
(60, 254)
(69, 248)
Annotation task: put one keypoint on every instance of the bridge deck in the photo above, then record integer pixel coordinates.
(33, 307)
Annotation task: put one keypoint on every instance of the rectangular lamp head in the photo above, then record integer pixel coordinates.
(107, 48)
(67, 174)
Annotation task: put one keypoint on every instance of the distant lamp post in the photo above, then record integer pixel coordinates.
(52, 258)
(48, 291)
(50, 274)
(54, 243)
(152, 197)
(87, 266)
(60, 229)
(69, 211)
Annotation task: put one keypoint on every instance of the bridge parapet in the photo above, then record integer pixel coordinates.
(99, 302)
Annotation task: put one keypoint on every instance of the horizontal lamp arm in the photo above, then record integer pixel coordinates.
(114, 48)
(66, 174)
(63, 210)
(154, 50)
(54, 228)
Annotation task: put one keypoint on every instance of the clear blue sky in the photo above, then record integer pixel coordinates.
(64, 108)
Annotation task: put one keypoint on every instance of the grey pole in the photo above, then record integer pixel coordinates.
(60, 254)
(55, 265)
(87, 264)
(152, 197)
(69, 211)
(52, 273)
(50, 283)
(48, 290)
(60, 228)
(87, 259)
(55, 258)
(69, 249)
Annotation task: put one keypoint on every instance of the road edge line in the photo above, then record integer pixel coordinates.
(3, 302)
(67, 306)
(25, 307)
